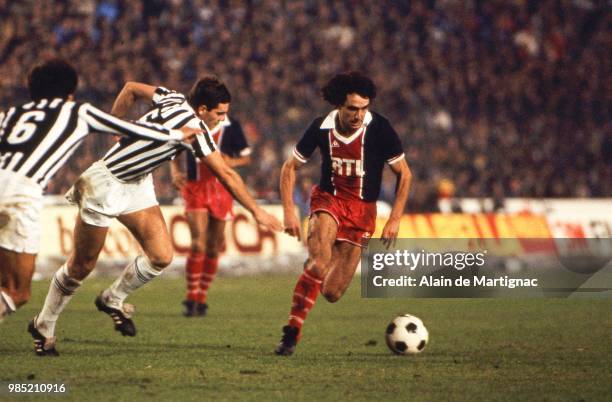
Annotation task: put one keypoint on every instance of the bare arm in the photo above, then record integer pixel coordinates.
(128, 95)
(177, 175)
(391, 228)
(287, 185)
(238, 161)
(234, 184)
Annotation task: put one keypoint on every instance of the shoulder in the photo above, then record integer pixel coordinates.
(163, 93)
(232, 125)
(381, 126)
(379, 121)
(315, 125)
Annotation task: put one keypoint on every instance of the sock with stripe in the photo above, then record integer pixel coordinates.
(193, 275)
(60, 292)
(208, 275)
(134, 276)
(7, 305)
(304, 297)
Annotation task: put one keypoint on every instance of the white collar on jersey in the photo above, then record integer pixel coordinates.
(330, 121)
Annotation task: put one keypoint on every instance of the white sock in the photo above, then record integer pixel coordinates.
(134, 276)
(60, 292)
(7, 305)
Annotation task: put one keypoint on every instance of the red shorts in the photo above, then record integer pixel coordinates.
(356, 219)
(209, 195)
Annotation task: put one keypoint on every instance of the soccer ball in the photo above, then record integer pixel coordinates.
(406, 334)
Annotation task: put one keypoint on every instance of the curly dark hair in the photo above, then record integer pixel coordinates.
(54, 78)
(208, 91)
(336, 90)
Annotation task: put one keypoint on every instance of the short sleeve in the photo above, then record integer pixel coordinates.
(203, 144)
(308, 143)
(234, 141)
(391, 145)
(165, 97)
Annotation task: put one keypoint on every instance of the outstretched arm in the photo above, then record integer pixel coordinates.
(234, 184)
(98, 120)
(287, 185)
(128, 95)
(404, 177)
(238, 161)
(177, 175)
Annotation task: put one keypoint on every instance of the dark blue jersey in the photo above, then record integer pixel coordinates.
(351, 166)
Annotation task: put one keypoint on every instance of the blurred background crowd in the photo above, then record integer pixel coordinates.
(491, 98)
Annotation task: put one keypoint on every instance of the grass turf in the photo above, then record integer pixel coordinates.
(480, 349)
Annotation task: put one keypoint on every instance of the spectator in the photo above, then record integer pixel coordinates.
(501, 98)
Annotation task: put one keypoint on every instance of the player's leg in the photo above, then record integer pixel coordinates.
(16, 270)
(197, 220)
(215, 240)
(345, 259)
(88, 242)
(322, 229)
(149, 228)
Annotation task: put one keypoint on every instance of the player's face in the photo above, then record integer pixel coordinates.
(352, 113)
(212, 117)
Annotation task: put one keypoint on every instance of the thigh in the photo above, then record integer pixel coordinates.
(322, 228)
(16, 270)
(345, 259)
(88, 243)
(215, 235)
(149, 228)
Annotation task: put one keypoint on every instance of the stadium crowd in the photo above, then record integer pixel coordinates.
(491, 98)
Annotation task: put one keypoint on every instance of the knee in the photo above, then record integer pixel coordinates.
(83, 262)
(80, 266)
(198, 245)
(332, 295)
(161, 259)
(211, 253)
(317, 266)
(21, 297)
(213, 248)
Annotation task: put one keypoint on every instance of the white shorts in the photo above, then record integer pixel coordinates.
(20, 206)
(101, 197)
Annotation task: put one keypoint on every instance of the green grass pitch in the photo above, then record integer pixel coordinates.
(480, 349)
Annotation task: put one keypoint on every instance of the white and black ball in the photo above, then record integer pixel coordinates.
(406, 335)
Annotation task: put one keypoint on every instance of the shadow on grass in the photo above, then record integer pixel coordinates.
(160, 346)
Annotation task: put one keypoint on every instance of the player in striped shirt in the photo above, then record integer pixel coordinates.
(36, 140)
(208, 205)
(121, 186)
(355, 146)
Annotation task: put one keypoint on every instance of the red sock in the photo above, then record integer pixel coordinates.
(208, 275)
(193, 273)
(305, 294)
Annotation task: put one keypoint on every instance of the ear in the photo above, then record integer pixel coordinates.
(202, 109)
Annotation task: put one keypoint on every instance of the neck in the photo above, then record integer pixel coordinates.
(345, 131)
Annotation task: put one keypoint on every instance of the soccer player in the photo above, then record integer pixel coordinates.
(208, 205)
(355, 145)
(121, 186)
(36, 139)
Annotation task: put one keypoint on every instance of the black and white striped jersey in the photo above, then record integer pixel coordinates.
(37, 138)
(131, 159)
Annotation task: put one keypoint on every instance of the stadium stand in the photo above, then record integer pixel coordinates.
(491, 98)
